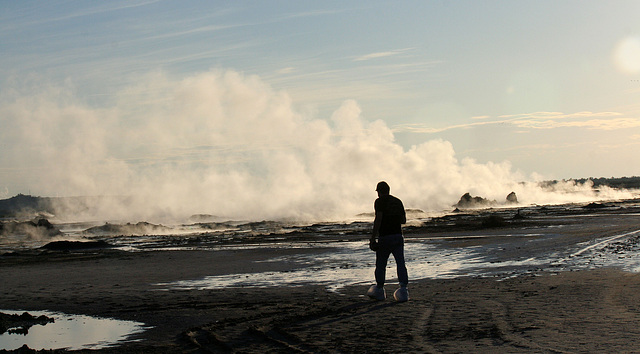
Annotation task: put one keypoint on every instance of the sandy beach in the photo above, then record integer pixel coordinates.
(580, 298)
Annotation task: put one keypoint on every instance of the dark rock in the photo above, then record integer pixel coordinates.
(512, 198)
(467, 201)
(595, 205)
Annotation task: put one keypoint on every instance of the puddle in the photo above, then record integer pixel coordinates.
(349, 263)
(72, 332)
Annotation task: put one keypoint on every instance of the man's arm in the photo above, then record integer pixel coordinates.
(376, 226)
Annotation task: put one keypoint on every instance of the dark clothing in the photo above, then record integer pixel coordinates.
(391, 244)
(393, 215)
(390, 239)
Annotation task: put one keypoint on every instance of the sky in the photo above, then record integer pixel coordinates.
(258, 96)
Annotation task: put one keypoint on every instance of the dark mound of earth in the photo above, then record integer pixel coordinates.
(37, 229)
(140, 228)
(76, 245)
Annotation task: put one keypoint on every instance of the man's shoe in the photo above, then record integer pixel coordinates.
(377, 293)
(401, 295)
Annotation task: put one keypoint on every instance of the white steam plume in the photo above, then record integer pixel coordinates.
(227, 144)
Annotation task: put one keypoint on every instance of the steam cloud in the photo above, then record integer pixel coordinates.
(227, 144)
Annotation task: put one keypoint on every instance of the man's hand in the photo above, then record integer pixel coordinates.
(373, 245)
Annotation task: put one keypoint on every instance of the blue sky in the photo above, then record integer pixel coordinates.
(551, 87)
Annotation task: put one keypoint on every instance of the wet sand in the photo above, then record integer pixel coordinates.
(553, 309)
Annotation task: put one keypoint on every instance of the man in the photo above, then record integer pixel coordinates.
(387, 229)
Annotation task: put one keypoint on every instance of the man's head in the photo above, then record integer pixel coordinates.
(382, 188)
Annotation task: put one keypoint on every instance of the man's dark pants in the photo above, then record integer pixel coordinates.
(390, 244)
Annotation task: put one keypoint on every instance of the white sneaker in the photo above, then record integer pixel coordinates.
(376, 293)
(401, 295)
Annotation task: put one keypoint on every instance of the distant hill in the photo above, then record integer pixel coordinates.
(26, 206)
(613, 182)
(620, 183)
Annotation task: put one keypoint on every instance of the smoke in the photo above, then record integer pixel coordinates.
(227, 144)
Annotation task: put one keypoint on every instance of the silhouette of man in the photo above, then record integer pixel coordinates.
(387, 239)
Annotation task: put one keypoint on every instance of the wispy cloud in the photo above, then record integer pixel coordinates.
(287, 70)
(538, 120)
(381, 54)
(313, 13)
(595, 124)
(424, 129)
(97, 8)
(560, 115)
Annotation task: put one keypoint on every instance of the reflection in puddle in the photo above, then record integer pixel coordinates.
(71, 332)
